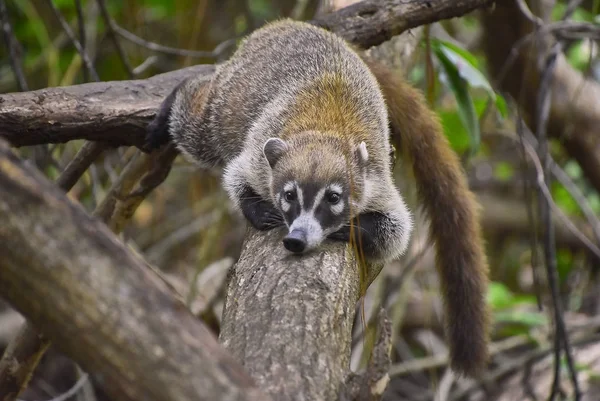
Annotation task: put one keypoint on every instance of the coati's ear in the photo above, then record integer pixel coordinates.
(361, 153)
(273, 149)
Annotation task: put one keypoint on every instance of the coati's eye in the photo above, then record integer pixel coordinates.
(333, 198)
(289, 196)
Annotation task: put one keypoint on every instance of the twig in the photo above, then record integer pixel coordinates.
(566, 181)
(86, 155)
(13, 47)
(561, 29)
(517, 364)
(172, 50)
(561, 337)
(439, 360)
(528, 191)
(20, 359)
(110, 23)
(145, 65)
(526, 11)
(574, 191)
(571, 7)
(82, 38)
(86, 60)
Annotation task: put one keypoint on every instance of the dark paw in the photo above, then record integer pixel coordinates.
(263, 216)
(363, 231)
(260, 213)
(343, 234)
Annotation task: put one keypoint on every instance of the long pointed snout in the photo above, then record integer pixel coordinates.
(296, 241)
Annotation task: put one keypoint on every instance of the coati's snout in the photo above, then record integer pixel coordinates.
(296, 241)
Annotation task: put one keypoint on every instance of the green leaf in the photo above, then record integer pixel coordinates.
(468, 68)
(501, 105)
(499, 296)
(573, 169)
(459, 87)
(504, 171)
(455, 130)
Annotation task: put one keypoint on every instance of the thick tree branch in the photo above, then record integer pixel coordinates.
(290, 318)
(112, 112)
(68, 275)
(371, 22)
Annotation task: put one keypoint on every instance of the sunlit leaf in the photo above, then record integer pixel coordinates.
(504, 171)
(455, 130)
(459, 88)
(468, 68)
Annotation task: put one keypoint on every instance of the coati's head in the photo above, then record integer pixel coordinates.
(317, 183)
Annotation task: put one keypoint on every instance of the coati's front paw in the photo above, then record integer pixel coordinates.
(259, 212)
(363, 230)
(263, 216)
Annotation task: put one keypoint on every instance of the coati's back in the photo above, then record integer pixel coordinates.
(282, 115)
(280, 81)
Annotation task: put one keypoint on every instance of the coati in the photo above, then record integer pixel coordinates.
(301, 124)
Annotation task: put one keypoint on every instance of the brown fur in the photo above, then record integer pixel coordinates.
(453, 211)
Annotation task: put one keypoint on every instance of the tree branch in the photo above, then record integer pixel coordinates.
(69, 276)
(116, 113)
(371, 22)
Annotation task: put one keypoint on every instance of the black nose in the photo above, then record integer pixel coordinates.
(295, 241)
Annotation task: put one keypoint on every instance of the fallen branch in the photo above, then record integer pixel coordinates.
(68, 275)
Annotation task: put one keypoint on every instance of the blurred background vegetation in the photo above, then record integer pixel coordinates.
(186, 228)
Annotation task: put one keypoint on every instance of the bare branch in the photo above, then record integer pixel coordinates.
(86, 60)
(115, 113)
(371, 22)
(13, 47)
(109, 22)
(141, 337)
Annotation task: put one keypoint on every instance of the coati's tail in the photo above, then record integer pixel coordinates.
(454, 219)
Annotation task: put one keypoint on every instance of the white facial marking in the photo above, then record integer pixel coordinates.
(335, 188)
(300, 196)
(338, 208)
(312, 227)
(289, 186)
(318, 198)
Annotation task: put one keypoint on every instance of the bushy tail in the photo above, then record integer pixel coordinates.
(454, 219)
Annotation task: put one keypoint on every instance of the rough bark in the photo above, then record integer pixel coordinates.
(289, 319)
(115, 113)
(99, 303)
(371, 22)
